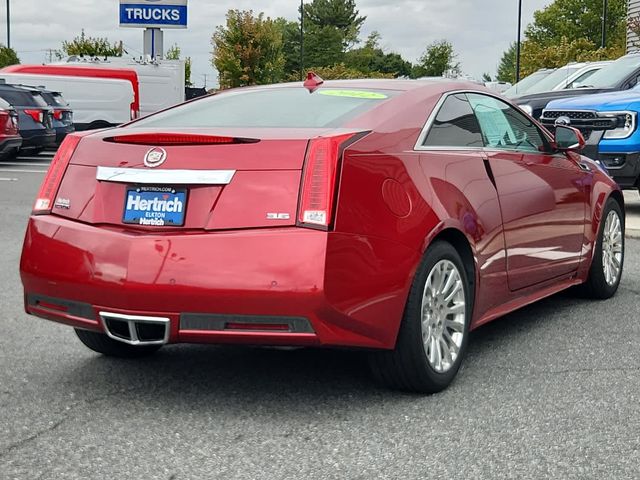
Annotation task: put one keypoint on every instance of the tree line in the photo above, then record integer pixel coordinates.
(253, 49)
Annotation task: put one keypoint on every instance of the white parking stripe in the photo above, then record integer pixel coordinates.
(21, 171)
(25, 164)
(2, 179)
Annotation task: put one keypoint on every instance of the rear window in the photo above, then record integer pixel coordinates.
(39, 100)
(291, 107)
(17, 98)
(54, 99)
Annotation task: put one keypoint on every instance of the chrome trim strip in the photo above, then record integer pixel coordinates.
(165, 177)
(131, 321)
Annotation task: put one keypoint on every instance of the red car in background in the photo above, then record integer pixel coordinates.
(10, 139)
(388, 215)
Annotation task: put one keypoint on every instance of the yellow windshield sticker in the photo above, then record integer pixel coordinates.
(353, 94)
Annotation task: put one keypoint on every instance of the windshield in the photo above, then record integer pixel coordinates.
(553, 80)
(613, 74)
(526, 83)
(272, 108)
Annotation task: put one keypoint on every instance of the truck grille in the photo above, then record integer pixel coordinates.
(585, 121)
(579, 115)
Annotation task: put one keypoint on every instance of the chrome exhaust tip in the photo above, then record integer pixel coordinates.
(134, 329)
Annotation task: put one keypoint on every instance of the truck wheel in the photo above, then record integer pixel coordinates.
(434, 331)
(101, 343)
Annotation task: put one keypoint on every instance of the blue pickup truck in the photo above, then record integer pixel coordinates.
(609, 123)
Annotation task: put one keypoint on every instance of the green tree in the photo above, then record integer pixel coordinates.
(8, 56)
(290, 44)
(174, 54)
(438, 58)
(507, 65)
(372, 58)
(576, 19)
(338, 14)
(486, 77)
(93, 47)
(323, 46)
(248, 50)
(340, 71)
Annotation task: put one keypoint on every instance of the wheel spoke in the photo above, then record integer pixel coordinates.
(456, 289)
(453, 325)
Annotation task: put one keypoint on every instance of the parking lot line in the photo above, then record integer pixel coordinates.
(24, 164)
(2, 179)
(21, 171)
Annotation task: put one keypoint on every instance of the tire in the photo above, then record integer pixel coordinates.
(101, 343)
(599, 284)
(408, 366)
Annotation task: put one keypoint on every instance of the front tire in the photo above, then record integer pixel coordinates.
(434, 331)
(101, 343)
(608, 258)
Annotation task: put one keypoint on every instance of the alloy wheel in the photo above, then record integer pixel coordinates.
(612, 248)
(443, 315)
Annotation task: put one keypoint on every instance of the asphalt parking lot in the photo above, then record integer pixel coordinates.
(550, 391)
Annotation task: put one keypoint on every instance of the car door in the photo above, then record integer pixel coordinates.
(542, 194)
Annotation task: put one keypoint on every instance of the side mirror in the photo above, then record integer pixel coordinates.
(569, 139)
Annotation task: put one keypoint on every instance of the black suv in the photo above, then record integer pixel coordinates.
(622, 74)
(35, 117)
(62, 114)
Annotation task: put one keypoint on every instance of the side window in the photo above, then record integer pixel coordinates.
(504, 127)
(455, 125)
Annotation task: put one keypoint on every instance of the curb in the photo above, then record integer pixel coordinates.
(632, 233)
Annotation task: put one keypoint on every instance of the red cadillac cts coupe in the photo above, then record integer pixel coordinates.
(393, 216)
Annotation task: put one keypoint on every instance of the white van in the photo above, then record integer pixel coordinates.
(96, 102)
(161, 82)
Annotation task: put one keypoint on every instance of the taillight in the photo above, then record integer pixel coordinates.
(57, 114)
(135, 113)
(317, 197)
(37, 115)
(51, 183)
(169, 139)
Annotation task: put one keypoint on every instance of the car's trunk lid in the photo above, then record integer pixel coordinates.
(250, 182)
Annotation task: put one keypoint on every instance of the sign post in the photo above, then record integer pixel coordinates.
(153, 16)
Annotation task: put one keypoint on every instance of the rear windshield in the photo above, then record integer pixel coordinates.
(526, 83)
(292, 107)
(39, 100)
(18, 98)
(54, 99)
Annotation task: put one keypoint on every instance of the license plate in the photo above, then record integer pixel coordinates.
(155, 206)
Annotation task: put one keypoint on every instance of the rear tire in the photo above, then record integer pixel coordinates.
(434, 331)
(608, 258)
(101, 343)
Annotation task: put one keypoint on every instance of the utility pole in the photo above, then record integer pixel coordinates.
(205, 75)
(604, 23)
(518, 42)
(301, 40)
(8, 23)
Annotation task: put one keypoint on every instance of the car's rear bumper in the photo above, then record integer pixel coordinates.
(9, 143)
(349, 290)
(32, 139)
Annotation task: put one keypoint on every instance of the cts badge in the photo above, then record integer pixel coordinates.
(155, 157)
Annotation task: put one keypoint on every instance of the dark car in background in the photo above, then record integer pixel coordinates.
(10, 139)
(622, 74)
(62, 114)
(35, 117)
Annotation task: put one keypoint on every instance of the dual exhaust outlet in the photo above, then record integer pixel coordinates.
(136, 330)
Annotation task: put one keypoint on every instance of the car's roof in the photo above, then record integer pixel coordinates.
(432, 86)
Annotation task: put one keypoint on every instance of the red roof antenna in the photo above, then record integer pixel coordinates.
(312, 82)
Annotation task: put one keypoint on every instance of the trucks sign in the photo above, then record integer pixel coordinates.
(153, 13)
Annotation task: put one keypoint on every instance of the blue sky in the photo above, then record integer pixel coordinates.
(480, 30)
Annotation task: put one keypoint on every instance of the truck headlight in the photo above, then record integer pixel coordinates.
(527, 108)
(626, 125)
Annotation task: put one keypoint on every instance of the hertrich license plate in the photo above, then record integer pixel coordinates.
(155, 206)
